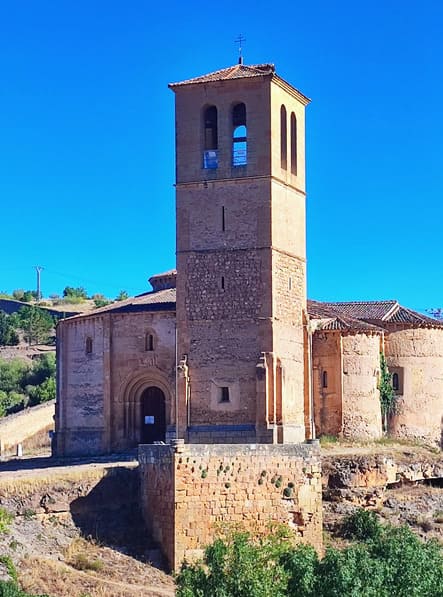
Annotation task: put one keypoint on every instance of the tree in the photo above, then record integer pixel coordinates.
(387, 561)
(437, 313)
(122, 296)
(76, 293)
(388, 399)
(8, 334)
(36, 324)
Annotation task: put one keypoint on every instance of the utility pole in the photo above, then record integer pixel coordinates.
(38, 269)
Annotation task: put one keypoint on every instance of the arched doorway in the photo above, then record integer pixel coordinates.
(153, 417)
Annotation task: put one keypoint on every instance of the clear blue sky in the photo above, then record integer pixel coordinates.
(87, 136)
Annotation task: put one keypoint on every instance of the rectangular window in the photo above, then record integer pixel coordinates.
(224, 394)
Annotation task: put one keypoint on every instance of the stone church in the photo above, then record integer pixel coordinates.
(227, 348)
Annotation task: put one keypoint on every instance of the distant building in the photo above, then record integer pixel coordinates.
(228, 349)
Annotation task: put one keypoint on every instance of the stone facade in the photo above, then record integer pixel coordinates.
(241, 285)
(416, 355)
(100, 392)
(229, 350)
(190, 492)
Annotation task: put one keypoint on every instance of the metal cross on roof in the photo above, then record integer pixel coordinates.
(239, 40)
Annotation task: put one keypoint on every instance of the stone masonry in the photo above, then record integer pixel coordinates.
(189, 492)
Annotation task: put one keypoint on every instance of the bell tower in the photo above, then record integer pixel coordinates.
(241, 271)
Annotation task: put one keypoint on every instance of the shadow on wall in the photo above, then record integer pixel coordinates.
(110, 514)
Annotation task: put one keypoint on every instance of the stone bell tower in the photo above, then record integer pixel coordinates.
(241, 281)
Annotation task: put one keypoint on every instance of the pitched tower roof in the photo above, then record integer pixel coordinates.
(242, 71)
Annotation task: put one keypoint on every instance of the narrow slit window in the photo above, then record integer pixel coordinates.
(224, 394)
(88, 345)
(222, 282)
(239, 136)
(149, 342)
(293, 144)
(395, 382)
(283, 138)
(325, 379)
(223, 219)
(210, 131)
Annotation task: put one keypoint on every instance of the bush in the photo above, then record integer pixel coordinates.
(22, 384)
(361, 525)
(6, 518)
(390, 562)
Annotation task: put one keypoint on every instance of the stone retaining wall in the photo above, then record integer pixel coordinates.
(188, 491)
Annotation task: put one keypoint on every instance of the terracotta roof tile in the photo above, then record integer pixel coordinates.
(373, 310)
(238, 71)
(148, 301)
(332, 319)
(382, 313)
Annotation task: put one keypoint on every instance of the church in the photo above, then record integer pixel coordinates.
(227, 349)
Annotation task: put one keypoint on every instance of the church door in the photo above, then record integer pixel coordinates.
(153, 416)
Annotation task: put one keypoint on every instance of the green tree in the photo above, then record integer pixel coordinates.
(122, 296)
(388, 399)
(43, 392)
(37, 324)
(8, 334)
(389, 562)
(77, 293)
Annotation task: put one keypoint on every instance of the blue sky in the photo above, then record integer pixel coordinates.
(87, 137)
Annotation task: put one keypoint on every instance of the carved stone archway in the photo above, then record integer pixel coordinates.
(131, 395)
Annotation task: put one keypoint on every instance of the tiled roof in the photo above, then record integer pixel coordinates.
(238, 71)
(382, 313)
(330, 319)
(148, 301)
(373, 310)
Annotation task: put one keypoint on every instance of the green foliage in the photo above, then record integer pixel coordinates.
(6, 518)
(70, 292)
(122, 296)
(37, 324)
(361, 525)
(8, 334)
(300, 564)
(388, 398)
(101, 302)
(11, 589)
(389, 562)
(9, 565)
(44, 392)
(22, 384)
(238, 565)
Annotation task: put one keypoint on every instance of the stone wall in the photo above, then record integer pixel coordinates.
(326, 360)
(189, 491)
(100, 392)
(417, 357)
(360, 398)
(14, 429)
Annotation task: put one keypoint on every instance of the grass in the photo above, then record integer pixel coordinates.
(326, 440)
(80, 555)
(6, 518)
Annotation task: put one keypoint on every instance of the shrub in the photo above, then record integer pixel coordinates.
(390, 562)
(6, 518)
(361, 525)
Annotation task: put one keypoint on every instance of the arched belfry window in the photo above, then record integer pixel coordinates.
(88, 345)
(210, 134)
(293, 144)
(283, 138)
(149, 342)
(239, 136)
